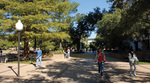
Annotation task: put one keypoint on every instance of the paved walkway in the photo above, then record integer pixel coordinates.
(118, 72)
(73, 70)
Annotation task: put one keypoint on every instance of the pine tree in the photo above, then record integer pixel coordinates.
(39, 18)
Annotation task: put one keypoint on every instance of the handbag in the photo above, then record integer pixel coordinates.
(136, 59)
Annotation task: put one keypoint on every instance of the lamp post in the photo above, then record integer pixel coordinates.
(19, 27)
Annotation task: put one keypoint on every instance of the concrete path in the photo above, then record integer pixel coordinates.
(118, 72)
(73, 70)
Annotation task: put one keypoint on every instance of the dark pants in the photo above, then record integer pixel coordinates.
(101, 68)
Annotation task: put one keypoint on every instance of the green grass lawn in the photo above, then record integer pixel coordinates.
(83, 55)
(143, 63)
(24, 62)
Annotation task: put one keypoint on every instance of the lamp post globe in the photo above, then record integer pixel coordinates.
(19, 25)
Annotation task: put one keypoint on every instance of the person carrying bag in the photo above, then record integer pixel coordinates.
(132, 62)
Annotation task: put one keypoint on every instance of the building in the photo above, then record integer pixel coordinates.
(91, 39)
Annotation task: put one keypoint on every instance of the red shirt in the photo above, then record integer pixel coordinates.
(100, 58)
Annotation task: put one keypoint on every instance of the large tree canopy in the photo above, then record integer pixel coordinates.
(85, 24)
(129, 20)
(41, 18)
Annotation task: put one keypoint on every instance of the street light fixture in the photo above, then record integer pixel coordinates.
(19, 27)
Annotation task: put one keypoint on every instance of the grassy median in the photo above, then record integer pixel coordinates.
(83, 55)
(143, 63)
(24, 62)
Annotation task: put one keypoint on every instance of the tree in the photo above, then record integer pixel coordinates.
(135, 8)
(38, 17)
(85, 24)
(61, 15)
(138, 22)
(130, 22)
(121, 3)
(110, 30)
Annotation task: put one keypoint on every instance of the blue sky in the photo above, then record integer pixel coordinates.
(88, 5)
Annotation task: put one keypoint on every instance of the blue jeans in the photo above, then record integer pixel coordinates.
(101, 68)
(37, 61)
(134, 71)
(68, 54)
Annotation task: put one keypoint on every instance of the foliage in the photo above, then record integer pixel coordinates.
(47, 45)
(6, 44)
(58, 52)
(60, 48)
(143, 63)
(128, 21)
(111, 30)
(41, 19)
(85, 24)
(86, 46)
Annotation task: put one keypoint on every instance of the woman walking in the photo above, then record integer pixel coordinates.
(100, 57)
(132, 61)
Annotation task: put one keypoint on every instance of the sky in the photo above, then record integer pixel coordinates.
(88, 5)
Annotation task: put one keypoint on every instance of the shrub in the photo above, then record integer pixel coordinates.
(58, 52)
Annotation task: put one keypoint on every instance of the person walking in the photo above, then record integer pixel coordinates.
(0, 55)
(39, 56)
(65, 54)
(100, 57)
(132, 61)
(68, 51)
(1, 52)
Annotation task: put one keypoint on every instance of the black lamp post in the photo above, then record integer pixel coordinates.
(19, 27)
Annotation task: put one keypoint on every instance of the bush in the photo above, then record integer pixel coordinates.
(47, 55)
(58, 52)
(60, 48)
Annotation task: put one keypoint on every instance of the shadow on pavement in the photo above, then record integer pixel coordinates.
(80, 70)
(12, 70)
(123, 75)
(34, 79)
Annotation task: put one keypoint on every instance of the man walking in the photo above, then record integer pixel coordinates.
(39, 56)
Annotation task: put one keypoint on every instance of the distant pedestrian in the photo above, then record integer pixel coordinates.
(100, 57)
(1, 52)
(132, 61)
(68, 52)
(65, 53)
(39, 56)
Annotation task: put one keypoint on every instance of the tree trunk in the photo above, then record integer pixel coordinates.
(144, 49)
(78, 45)
(26, 48)
(60, 45)
(35, 44)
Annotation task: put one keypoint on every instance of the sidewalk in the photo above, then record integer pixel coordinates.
(118, 72)
(28, 71)
(54, 70)
(73, 70)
